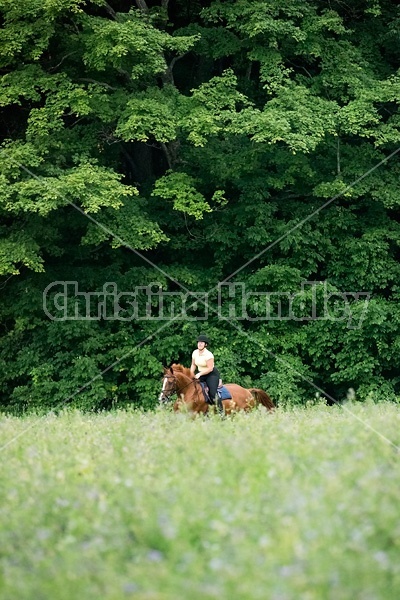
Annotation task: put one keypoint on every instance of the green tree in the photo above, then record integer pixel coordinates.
(155, 143)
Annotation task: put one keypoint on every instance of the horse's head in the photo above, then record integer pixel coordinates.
(168, 386)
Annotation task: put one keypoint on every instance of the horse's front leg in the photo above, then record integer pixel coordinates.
(184, 405)
(179, 403)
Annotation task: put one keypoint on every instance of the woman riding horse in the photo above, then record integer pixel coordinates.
(203, 359)
(179, 380)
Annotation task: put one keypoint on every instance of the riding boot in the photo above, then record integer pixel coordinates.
(220, 407)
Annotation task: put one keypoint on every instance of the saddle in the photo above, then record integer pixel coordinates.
(222, 391)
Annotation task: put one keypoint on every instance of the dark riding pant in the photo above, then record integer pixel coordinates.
(212, 380)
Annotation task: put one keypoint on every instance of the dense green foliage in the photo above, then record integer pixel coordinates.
(183, 144)
(295, 504)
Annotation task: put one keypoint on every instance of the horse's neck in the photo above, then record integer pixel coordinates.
(177, 368)
(182, 381)
(188, 387)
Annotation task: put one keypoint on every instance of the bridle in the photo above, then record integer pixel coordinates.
(165, 397)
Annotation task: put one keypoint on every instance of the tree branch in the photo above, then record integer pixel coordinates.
(248, 70)
(62, 60)
(130, 160)
(109, 87)
(167, 154)
(142, 5)
(168, 76)
(171, 152)
(111, 11)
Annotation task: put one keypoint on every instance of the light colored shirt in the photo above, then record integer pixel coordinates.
(200, 360)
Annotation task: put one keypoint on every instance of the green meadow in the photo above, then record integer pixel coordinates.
(295, 505)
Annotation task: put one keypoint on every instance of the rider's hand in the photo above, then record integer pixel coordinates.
(197, 376)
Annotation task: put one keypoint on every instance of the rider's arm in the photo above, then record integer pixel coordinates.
(192, 367)
(210, 366)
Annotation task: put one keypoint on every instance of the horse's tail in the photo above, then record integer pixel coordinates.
(262, 397)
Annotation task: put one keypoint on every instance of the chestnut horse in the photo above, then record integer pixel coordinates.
(178, 379)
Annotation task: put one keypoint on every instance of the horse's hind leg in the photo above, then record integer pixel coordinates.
(250, 403)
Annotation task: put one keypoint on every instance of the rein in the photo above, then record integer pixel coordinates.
(193, 381)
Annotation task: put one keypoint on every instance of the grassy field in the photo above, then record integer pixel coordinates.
(298, 505)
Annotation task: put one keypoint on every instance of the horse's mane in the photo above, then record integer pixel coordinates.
(178, 368)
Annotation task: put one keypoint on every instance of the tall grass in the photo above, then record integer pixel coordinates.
(300, 505)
